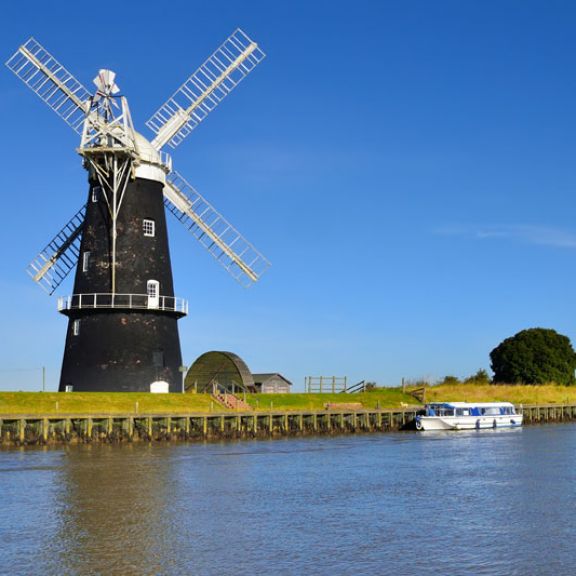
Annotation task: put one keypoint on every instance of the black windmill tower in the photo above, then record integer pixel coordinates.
(122, 316)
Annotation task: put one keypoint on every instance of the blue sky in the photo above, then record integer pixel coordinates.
(408, 167)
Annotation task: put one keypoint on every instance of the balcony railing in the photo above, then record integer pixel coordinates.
(123, 302)
(162, 159)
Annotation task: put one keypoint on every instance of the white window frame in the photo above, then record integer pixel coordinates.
(96, 193)
(152, 288)
(149, 227)
(76, 327)
(85, 261)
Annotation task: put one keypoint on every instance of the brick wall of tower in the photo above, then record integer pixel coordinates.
(123, 350)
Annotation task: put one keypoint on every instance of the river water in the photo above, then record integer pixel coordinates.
(490, 502)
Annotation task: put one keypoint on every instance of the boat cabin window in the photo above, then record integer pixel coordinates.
(490, 411)
(447, 410)
(435, 410)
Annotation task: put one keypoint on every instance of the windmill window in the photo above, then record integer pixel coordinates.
(149, 227)
(76, 327)
(85, 261)
(158, 358)
(96, 193)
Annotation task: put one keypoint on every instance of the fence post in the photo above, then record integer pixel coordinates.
(21, 429)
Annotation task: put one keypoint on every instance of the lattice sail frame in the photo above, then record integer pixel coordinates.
(205, 89)
(60, 256)
(213, 231)
(47, 78)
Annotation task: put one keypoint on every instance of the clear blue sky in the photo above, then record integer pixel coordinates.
(409, 168)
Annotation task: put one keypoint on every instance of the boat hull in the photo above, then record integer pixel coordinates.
(468, 422)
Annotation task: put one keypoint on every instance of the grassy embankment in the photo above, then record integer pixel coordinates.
(519, 394)
(382, 397)
(132, 403)
(50, 403)
(101, 403)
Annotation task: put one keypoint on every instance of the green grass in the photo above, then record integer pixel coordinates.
(519, 394)
(383, 397)
(129, 403)
(50, 403)
(101, 403)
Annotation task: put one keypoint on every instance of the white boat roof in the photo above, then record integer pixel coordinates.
(471, 404)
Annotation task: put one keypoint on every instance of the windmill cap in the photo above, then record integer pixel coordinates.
(152, 164)
(146, 151)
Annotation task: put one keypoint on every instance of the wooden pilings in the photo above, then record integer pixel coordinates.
(549, 413)
(46, 429)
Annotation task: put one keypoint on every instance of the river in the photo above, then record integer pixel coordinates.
(490, 502)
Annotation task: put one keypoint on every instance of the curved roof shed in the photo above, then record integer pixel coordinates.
(225, 369)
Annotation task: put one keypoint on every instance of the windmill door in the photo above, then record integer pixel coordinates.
(153, 290)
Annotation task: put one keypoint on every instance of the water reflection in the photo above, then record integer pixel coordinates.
(113, 511)
(491, 502)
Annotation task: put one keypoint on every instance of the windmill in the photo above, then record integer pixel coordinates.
(122, 316)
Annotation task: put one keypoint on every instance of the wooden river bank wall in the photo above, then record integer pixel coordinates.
(53, 429)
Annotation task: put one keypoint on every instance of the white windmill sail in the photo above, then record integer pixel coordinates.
(188, 106)
(205, 89)
(54, 263)
(213, 231)
(46, 77)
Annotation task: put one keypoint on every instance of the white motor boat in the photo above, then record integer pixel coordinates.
(468, 416)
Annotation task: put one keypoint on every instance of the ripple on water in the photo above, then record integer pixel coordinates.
(494, 502)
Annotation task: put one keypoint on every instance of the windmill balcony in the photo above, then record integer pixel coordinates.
(168, 304)
(155, 157)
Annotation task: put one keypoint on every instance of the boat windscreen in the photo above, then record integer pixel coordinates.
(440, 410)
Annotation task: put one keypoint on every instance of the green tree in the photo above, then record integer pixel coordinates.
(481, 377)
(450, 380)
(534, 356)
